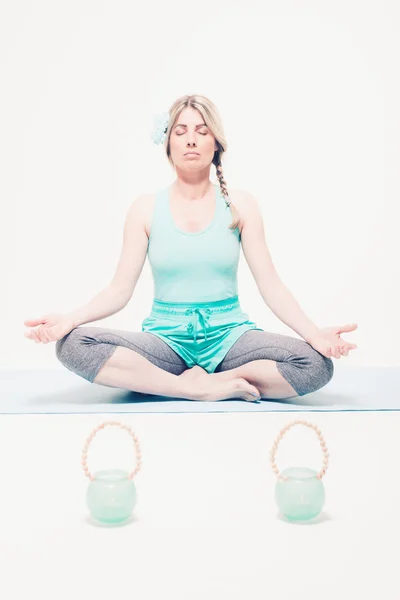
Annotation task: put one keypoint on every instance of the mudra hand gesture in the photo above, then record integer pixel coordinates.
(51, 328)
(329, 343)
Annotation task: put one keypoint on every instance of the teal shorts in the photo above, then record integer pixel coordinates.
(202, 332)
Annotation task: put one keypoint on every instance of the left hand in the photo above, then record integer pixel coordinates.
(329, 343)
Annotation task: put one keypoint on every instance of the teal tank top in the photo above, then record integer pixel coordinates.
(193, 267)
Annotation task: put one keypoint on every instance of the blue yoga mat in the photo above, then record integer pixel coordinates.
(63, 392)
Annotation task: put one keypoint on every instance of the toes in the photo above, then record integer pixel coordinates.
(255, 392)
(251, 393)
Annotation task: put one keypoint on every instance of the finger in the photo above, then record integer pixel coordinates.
(32, 335)
(48, 335)
(349, 346)
(44, 334)
(34, 322)
(41, 334)
(349, 327)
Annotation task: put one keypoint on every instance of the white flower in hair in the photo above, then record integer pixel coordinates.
(159, 133)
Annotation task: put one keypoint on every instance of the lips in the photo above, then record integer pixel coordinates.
(186, 153)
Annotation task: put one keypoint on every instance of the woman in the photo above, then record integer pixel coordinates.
(197, 343)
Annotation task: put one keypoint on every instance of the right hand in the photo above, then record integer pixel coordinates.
(52, 327)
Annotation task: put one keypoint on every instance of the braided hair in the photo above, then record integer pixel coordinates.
(213, 121)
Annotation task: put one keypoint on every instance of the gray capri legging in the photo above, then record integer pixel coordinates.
(86, 349)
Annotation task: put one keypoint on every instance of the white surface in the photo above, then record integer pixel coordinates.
(206, 524)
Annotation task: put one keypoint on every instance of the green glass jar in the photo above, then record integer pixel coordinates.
(299, 491)
(300, 496)
(111, 495)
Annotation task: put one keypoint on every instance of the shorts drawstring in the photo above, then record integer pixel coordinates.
(200, 332)
(202, 318)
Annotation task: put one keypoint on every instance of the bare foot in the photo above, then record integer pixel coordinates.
(236, 388)
(194, 373)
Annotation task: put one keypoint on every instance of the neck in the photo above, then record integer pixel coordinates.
(192, 191)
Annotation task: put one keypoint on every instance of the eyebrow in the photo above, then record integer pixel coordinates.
(199, 125)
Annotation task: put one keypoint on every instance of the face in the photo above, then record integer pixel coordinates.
(189, 133)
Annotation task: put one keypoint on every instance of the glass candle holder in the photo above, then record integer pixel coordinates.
(111, 495)
(299, 491)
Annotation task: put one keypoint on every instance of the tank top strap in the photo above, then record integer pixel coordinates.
(159, 220)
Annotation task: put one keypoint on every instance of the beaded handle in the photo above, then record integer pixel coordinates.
(94, 432)
(280, 436)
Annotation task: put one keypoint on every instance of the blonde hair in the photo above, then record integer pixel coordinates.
(212, 119)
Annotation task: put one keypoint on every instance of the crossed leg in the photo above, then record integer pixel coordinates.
(263, 374)
(279, 366)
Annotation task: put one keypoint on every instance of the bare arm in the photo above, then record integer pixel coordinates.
(273, 291)
(106, 303)
(117, 294)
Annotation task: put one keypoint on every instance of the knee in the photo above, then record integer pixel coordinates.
(66, 346)
(306, 369)
(320, 369)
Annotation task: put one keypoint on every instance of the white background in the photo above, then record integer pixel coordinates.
(206, 524)
(309, 96)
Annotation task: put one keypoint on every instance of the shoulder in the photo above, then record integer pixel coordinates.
(141, 209)
(241, 198)
(145, 204)
(245, 202)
